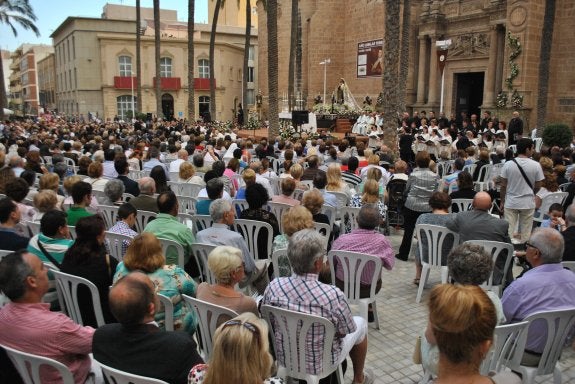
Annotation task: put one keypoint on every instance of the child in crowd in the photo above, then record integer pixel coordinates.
(555, 219)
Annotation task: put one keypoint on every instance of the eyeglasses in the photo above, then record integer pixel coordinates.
(249, 326)
(528, 244)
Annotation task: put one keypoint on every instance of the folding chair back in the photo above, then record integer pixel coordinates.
(28, 366)
(115, 376)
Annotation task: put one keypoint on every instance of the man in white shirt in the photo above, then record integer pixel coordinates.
(182, 158)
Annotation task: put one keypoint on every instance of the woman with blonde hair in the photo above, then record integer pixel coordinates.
(249, 177)
(145, 254)
(227, 265)
(370, 195)
(296, 171)
(240, 355)
(187, 174)
(334, 181)
(51, 181)
(44, 201)
(462, 319)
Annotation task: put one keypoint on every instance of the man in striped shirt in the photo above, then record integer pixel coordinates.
(303, 292)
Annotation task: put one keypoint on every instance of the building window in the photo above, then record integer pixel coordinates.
(125, 63)
(250, 74)
(204, 105)
(165, 67)
(252, 53)
(204, 68)
(125, 104)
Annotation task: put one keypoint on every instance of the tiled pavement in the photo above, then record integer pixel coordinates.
(390, 348)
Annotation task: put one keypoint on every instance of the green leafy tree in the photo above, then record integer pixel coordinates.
(12, 13)
(557, 135)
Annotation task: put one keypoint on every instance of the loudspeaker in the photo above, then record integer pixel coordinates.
(299, 117)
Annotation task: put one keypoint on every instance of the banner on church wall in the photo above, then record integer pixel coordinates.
(370, 58)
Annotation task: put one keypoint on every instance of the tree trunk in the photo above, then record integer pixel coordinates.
(404, 64)
(246, 57)
(272, 29)
(212, 48)
(298, 56)
(157, 56)
(544, 63)
(191, 96)
(292, 54)
(3, 99)
(391, 74)
(138, 57)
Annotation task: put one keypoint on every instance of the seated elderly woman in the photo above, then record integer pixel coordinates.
(288, 187)
(114, 190)
(370, 195)
(240, 356)
(227, 265)
(44, 201)
(187, 174)
(51, 181)
(249, 177)
(469, 264)
(96, 176)
(295, 219)
(145, 254)
(463, 333)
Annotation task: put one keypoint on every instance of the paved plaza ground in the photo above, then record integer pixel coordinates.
(401, 320)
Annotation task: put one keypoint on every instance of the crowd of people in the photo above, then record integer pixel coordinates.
(59, 176)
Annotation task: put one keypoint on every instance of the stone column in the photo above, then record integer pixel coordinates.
(423, 60)
(491, 74)
(434, 77)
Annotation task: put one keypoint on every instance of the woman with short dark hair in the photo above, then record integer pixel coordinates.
(257, 197)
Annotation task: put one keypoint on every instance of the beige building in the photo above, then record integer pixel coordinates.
(351, 33)
(47, 84)
(95, 62)
(23, 79)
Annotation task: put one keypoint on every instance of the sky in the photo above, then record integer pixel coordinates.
(51, 13)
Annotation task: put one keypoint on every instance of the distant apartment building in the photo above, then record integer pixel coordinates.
(47, 84)
(95, 65)
(23, 80)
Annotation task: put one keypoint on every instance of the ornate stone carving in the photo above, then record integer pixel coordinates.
(518, 16)
(470, 44)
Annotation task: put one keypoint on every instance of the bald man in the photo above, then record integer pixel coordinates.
(136, 345)
(479, 224)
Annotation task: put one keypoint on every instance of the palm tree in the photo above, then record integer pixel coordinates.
(158, 85)
(404, 64)
(272, 29)
(544, 63)
(191, 100)
(11, 12)
(247, 52)
(219, 4)
(390, 73)
(292, 53)
(138, 56)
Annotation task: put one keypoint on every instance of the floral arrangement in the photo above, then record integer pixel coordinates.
(515, 51)
(501, 99)
(516, 99)
(253, 121)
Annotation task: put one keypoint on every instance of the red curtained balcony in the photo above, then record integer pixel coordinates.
(201, 84)
(125, 82)
(169, 83)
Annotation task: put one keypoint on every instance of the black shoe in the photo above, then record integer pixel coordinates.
(370, 317)
(401, 257)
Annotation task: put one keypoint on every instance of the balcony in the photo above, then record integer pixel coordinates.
(202, 84)
(169, 83)
(16, 88)
(15, 66)
(125, 82)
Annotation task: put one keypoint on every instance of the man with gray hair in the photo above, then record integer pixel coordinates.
(545, 287)
(223, 214)
(146, 201)
(569, 234)
(303, 292)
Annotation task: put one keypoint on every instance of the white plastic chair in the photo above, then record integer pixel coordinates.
(171, 245)
(115, 242)
(109, 213)
(71, 164)
(342, 198)
(546, 202)
(349, 214)
(185, 189)
(324, 229)
(435, 237)
(115, 376)
(240, 204)
(99, 195)
(135, 175)
(186, 204)
(563, 187)
(507, 349)
(462, 204)
(566, 264)
(251, 230)
(201, 222)
(33, 227)
(127, 197)
(28, 366)
(210, 316)
(278, 209)
(168, 308)
(559, 326)
(276, 256)
(67, 287)
(353, 264)
(483, 179)
(330, 212)
(307, 183)
(294, 328)
(201, 252)
(72, 230)
(496, 249)
(143, 218)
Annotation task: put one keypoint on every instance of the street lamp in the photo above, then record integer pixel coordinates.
(133, 107)
(325, 62)
(443, 46)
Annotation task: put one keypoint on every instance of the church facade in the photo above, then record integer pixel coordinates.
(492, 63)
